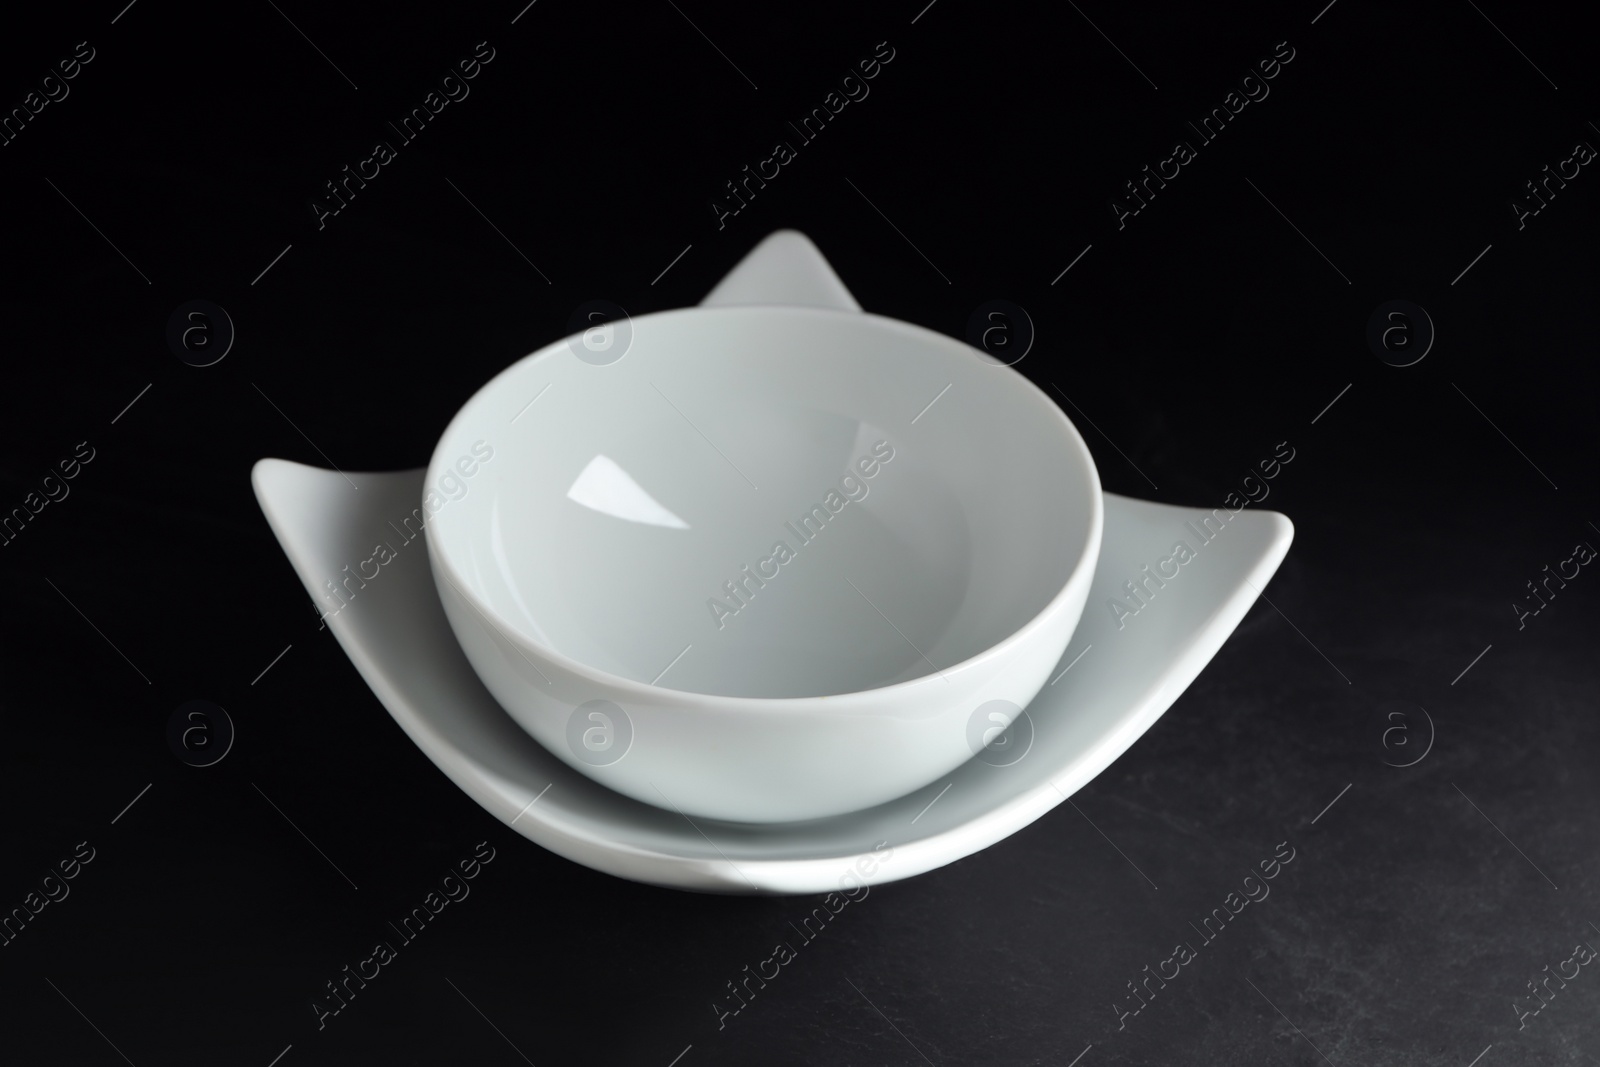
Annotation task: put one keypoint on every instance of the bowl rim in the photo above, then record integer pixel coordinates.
(612, 685)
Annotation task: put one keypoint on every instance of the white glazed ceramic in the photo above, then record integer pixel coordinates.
(1111, 685)
(768, 564)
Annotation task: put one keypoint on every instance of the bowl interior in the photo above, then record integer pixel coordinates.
(761, 502)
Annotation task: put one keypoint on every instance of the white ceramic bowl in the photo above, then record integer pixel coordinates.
(762, 564)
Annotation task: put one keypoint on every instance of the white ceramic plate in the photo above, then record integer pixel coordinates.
(1112, 684)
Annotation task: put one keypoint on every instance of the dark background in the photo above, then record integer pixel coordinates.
(1196, 338)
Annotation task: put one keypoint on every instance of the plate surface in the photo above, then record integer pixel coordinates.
(1121, 671)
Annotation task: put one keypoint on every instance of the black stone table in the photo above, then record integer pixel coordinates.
(1364, 232)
